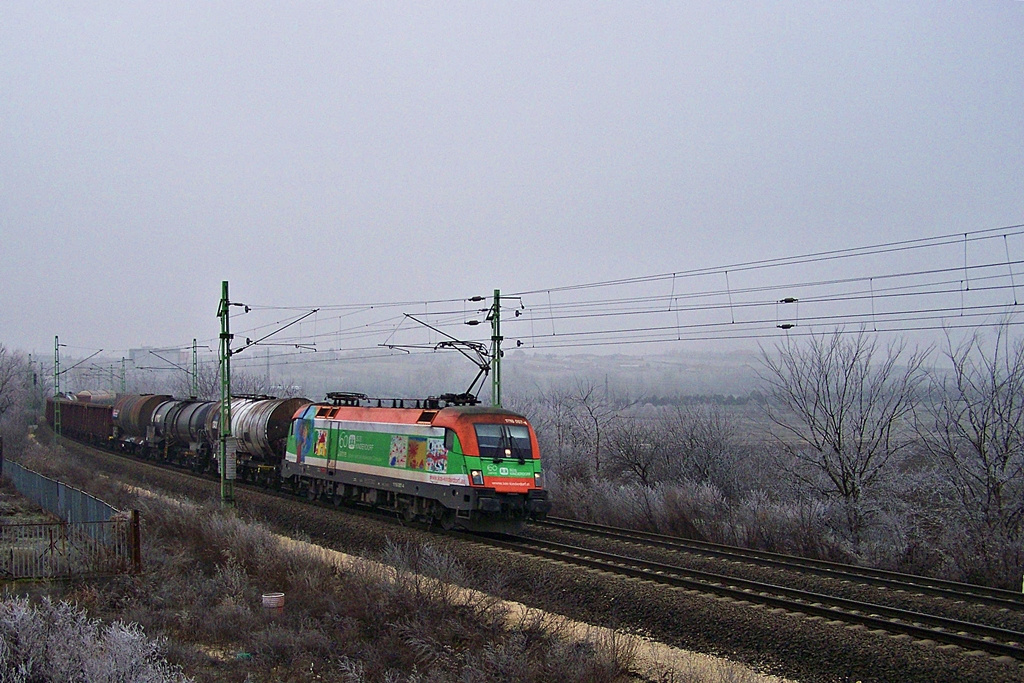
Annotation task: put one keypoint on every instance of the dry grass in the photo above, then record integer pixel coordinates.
(206, 572)
(400, 619)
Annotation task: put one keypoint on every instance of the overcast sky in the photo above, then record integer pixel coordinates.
(318, 153)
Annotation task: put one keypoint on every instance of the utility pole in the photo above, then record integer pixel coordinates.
(30, 384)
(228, 443)
(494, 316)
(123, 382)
(56, 389)
(227, 455)
(195, 371)
(496, 350)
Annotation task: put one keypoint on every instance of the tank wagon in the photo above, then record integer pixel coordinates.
(446, 460)
(460, 465)
(178, 431)
(133, 415)
(260, 427)
(186, 431)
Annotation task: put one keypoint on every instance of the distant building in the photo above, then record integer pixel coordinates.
(151, 355)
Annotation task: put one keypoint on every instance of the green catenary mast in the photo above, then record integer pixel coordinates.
(496, 350)
(56, 388)
(227, 485)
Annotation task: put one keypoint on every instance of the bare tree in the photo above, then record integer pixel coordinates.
(244, 383)
(702, 440)
(560, 419)
(13, 371)
(593, 412)
(207, 382)
(840, 407)
(974, 426)
(21, 396)
(638, 450)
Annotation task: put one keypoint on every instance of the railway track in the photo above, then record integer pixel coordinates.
(818, 645)
(872, 615)
(993, 640)
(910, 583)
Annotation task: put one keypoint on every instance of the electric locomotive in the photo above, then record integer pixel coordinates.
(446, 460)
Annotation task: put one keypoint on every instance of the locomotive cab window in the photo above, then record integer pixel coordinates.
(503, 441)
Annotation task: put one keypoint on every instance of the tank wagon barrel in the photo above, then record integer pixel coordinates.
(100, 397)
(189, 421)
(181, 421)
(238, 406)
(133, 413)
(161, 419)
(260, 426)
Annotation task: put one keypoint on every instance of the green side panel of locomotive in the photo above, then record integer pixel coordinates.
(334, 443)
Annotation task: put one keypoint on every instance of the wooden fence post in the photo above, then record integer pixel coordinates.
(136, 541)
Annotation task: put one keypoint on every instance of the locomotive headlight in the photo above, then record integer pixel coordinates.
(538, 480)
(477, 477)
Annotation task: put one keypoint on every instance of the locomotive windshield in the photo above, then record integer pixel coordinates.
(504, 441)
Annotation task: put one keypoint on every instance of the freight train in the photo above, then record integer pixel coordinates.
(444, 460)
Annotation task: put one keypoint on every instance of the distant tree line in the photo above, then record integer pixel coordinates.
(753, 398)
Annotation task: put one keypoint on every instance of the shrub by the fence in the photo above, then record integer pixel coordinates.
(55, 641)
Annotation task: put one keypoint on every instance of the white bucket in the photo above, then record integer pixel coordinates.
(273, 601)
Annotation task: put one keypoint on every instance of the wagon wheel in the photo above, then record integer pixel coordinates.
(447, 519)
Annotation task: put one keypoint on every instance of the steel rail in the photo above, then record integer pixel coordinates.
(952, 590)
(990, 639)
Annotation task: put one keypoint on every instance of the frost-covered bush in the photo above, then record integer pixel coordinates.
(56, 641)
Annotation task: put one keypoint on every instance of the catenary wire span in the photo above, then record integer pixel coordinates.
(948, 282)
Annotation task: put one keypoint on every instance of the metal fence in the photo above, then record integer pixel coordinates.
(94, 537)
(70, 504)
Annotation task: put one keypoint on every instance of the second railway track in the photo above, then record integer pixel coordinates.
(911, 583)
(875, 615)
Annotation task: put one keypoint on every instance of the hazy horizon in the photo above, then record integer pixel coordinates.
(352, 157)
